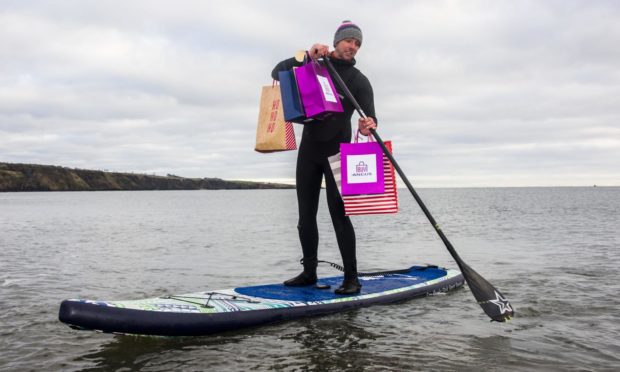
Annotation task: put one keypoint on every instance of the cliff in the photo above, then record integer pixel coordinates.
(32, 177)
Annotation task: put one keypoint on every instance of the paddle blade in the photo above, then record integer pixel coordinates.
(492, 301)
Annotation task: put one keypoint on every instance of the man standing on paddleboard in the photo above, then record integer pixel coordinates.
(321, 140)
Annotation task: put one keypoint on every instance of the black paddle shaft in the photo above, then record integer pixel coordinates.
(494, 304)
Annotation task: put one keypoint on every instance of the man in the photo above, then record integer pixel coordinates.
(322, 140)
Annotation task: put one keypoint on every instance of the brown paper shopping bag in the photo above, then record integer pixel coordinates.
(273, 133)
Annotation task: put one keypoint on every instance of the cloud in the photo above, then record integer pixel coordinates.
(472, 93)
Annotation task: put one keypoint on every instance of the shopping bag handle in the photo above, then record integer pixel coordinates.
(369, 136)
(314, 62)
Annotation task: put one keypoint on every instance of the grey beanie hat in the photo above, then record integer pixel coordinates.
(347, 30)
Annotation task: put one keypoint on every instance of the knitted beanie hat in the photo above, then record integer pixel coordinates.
(347, 30)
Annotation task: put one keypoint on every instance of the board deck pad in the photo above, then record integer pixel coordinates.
(370, 285)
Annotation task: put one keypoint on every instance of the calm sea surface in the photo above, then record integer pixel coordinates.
(555, 252)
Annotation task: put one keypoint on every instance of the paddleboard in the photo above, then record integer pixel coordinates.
(208, 312)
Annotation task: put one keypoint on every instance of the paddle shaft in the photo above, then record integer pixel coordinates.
(400, 172)
(494, 304)
(427, 213)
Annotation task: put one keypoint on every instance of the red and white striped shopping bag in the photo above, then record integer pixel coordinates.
(385, 203)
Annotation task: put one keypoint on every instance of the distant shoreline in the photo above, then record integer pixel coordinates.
(16, 177)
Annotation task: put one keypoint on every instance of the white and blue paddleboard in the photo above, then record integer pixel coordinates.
(203, 313)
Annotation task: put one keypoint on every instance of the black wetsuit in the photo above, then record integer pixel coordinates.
(319, 141)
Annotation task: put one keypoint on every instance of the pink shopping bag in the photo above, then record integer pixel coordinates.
(361, 168)
(316, 90)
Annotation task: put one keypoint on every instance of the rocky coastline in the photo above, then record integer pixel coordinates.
(33, 177)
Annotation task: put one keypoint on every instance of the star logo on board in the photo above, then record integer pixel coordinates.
(502, 303)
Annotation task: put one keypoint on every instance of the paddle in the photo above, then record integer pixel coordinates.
(492, 301)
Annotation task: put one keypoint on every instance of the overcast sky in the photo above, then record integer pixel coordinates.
(472, 93)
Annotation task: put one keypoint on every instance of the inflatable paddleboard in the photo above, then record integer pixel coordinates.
(203, 313)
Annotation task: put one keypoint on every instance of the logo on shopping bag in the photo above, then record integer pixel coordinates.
(362, 168)
(273, 116)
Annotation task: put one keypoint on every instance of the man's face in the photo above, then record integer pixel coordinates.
(347, 48)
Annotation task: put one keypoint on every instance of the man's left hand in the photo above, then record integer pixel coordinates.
(365, 125)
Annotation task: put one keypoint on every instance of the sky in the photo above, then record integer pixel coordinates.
(471, 93)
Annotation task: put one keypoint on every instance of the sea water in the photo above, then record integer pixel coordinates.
(554, 252)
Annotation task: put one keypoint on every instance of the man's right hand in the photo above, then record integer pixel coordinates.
(318, 50)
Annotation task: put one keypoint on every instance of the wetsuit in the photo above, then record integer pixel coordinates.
(319, 141)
